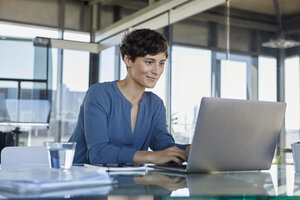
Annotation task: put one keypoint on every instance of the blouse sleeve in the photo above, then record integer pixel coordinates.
(161, 138)
(96, 133)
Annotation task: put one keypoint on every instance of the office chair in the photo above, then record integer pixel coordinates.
(24, 157)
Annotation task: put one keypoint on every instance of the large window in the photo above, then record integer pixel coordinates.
(233, 79)
(191, 72)
(26, 87)
(292, 98)
(11, 52)
(107, 65)
(8, 90)
(20, 60)
(29, 77)
(75, 85)
(267, 79)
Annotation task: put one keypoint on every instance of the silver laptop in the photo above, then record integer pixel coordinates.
(233, 135)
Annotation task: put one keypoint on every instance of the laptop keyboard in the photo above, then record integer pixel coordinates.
(174, 164)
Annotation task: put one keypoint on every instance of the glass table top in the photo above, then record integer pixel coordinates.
(279, 182)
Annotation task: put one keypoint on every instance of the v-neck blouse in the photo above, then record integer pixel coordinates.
(103, 131)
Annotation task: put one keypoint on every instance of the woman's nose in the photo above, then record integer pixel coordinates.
(156, 69)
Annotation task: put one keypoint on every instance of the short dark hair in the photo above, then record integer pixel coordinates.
(141, 42)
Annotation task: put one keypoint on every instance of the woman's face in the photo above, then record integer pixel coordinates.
(145, 71)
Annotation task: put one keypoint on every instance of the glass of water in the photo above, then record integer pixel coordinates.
(61, 154)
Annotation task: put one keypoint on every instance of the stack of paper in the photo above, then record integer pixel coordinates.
(114, 169)
(38, 182)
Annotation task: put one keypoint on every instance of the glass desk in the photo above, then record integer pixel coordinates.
(280, 182)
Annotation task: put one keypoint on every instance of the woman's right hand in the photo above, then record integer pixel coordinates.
(170, 154)
(161, 157)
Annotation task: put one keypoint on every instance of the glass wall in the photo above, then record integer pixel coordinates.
(66, 96)
(191, 72)
(267, 79)
(233, 79)
(11, 52)
(292, 98)
(26, 86)
(75, 84)
(107, 65)
(8, 90)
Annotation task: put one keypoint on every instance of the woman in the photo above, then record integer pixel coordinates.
(119, 121)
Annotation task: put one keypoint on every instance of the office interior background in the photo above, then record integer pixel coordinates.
(51, 51)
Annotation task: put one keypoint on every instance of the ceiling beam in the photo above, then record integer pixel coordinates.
(137, 18)
(192, 8)
(75, 45)
(155, 16)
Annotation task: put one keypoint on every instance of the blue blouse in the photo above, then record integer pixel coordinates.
(103, 132)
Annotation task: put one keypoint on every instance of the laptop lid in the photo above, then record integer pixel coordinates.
(233, 134)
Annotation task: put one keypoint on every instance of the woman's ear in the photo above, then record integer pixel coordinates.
(127, 61)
